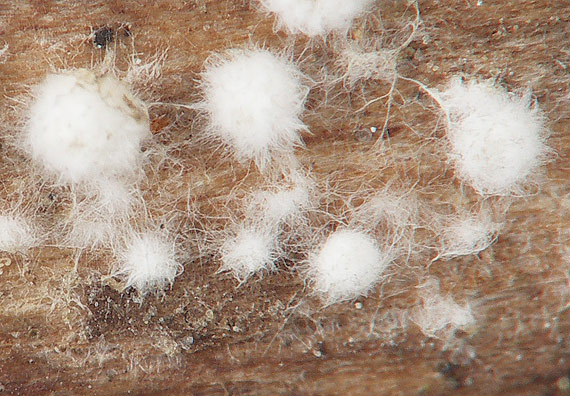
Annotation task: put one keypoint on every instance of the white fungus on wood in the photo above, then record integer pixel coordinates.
(497, 139)
(347, 265)
(251, 250)
(148, 262)
(85, 128)
(16, 234)
(253, 100)
(315, 17)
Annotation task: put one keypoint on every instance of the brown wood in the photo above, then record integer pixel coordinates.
(66, 332)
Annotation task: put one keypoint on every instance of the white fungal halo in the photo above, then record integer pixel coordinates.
(249, 251)
(315, 17)
(148, 262)
(83, 127)
(253, 100)
(347, 265)
(497, 139)
(16, 234)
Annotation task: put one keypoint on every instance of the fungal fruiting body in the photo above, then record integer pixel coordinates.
(16, 234)
(148, 262)
(315, 17)
(84, 128)
(253, 100)
(497, 139)
(347, 265)
(249, 251)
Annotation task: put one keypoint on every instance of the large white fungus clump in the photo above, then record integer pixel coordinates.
(249, 251)
(148, 262)
(347, 265)
(86, 128)
(315, 17)
(253, 100)
(497, 139)
(16, 234)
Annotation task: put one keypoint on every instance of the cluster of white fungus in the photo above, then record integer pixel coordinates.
(148, 262)
(254, 100)
(497, 139)
(346, 265)
(85, 128)
(315, 17)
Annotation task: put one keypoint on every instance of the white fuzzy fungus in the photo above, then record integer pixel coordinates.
(253, 100)
(347, 265)
(275, 207)
(467, 235)
(248, 252)
(16, 234)
(315, 17)
(83, 127)
(440, 315)
(497, 139)
(148, 262)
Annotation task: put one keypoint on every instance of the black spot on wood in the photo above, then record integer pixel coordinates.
(102, 37)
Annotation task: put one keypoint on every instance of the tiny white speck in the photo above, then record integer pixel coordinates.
(373, 129)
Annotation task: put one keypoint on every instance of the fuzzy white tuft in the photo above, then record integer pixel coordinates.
(467, 235)
(16, 234)
(439, 314)
(248, 252)
(497, 139)
(254, 99)
(83, 127)
(148, 262)
(360, 64)
(315, 17)
(347, 265)
(276, 207)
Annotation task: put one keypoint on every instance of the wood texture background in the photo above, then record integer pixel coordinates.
(66, 332)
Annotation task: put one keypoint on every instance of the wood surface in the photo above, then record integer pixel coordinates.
(72, 331)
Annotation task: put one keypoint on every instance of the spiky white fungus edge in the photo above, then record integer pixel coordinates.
(148, 261)
(253, 100)
(16, 234)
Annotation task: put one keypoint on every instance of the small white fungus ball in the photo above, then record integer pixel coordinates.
(16, 234)
(347, 265)
(497, 139)
(84, 127)
(250, 251)
(315, 17)
(148, 262)
(253, 100)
